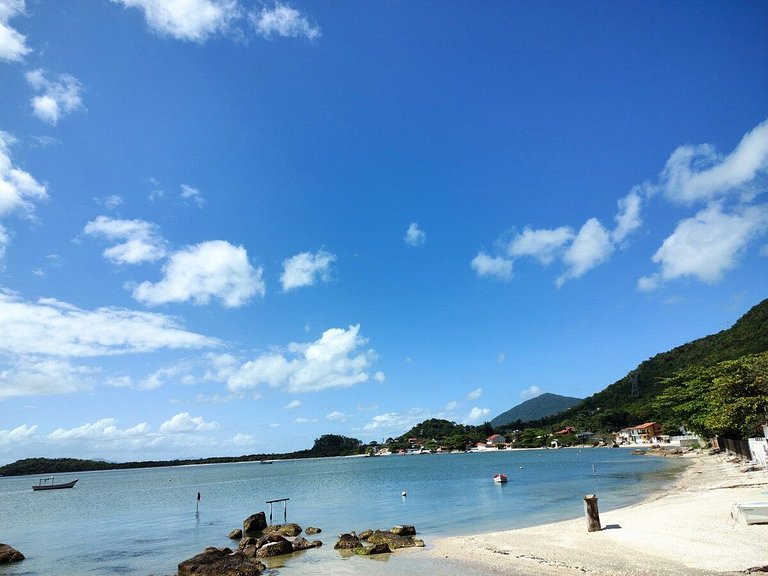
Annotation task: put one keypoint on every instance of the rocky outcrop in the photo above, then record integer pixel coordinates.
(220, 562)
(236, 534)
(9, 554)
(394, 541)
(312, 530)
(284, 529)
(404, 530)
(304, 544)
(348, 541)
(255, 523)
(277, 548)
(381, 548)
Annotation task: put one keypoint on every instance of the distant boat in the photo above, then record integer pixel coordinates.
(265, 461)
(500, 478)
(48, 484)
(752, 512)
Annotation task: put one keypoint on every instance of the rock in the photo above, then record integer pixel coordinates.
(220, 562)
(274, 549)
(404, 530)
(289, 529)
(236, 534)
(304, 544)
(311, 530)
(255, 523)
(395, 541)
(251, 541)
(381, 548)
(365, 534)
(348, 542)
(9, 554)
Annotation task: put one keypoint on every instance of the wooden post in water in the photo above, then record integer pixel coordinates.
(590, 510)
(285, 508)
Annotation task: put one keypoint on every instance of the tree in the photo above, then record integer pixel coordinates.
(335, 445)
(728, 399)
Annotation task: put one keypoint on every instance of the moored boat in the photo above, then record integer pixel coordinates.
(500, 478)
(49, 484)
(752, 512)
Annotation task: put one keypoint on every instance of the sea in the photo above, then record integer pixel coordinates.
(144, 522)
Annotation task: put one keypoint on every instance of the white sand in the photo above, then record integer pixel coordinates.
(687, 530)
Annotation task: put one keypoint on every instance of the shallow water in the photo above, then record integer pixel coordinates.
(142, 522)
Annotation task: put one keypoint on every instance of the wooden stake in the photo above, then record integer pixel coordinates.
(590, 510)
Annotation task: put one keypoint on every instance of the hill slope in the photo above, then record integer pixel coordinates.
(629, 400)
(536, 408)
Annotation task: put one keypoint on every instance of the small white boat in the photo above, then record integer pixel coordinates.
(500, 478)
(752, 512)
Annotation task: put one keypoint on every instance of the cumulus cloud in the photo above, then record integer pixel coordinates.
(199, 273)
(396, 421)
(414, 236)
(492, 266)
(707, 245)
(13, 45)
(477, 414)
(336, 416)
(183, 423)
(293, 404)
(282, 20)
(43, 376)
(591, 246)
(18, 435)
(140, 241)
(699, 173)
(54, 328)
(18, 189)
(56, 97)
(336, 360)
(475, 394)
(306, 268)
(544, 244)
(191, 20)
(531, 392)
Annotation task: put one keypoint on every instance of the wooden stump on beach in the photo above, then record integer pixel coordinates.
(590, 510)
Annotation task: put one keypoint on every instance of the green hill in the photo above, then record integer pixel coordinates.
(630, 400)
(535, 409)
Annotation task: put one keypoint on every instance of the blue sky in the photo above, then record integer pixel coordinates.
(229, 227)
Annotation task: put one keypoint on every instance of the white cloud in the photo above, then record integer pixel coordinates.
(477, 414)
(240, 439)
(336, 416)
(334, 361)
(591, 247)
(628, 219)
(302, 420)
(452, 406)
(696, 173)
(141, 241)
(475, 394)
(18, 435)
(13, 46)
(192, 20)
(306, 268)
(531, 392)
(493, 267)
(214, 269)
(544, 245)
(183, 423)
(110, 202)
(53, 328)
(379, 377)
(395, 422)
(282, 20)
(707, 245)
(18, 189)
(43, 376)
(293, 404)
(192, 195)
(414, 236)
(58, 97)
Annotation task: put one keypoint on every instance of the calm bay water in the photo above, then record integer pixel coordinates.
(144, 522)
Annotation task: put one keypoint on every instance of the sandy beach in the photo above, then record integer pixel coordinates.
(687, 530)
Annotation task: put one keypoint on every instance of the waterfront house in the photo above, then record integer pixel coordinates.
(642, 434)
(495, 440)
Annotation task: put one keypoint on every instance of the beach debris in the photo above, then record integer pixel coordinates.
(220, 562)
(9, 554)
(255, 523)
(404, 494)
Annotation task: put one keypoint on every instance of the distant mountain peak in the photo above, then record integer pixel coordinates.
(541, 406)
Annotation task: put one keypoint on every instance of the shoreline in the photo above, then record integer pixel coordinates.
(686, 530)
